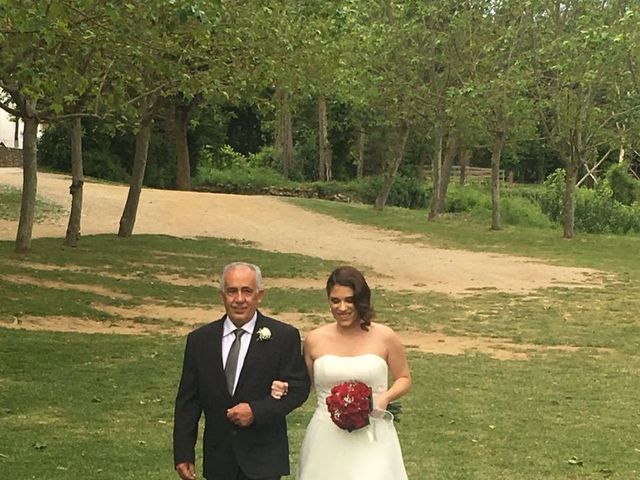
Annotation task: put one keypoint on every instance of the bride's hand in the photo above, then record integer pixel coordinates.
(279, 389)
(380, 402)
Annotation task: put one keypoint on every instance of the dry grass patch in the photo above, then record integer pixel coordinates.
(163, 319)
(57, 285)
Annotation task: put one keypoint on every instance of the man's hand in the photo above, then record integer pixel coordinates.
(241, 415)
(186, 471)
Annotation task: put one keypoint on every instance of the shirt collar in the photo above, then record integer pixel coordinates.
(248, 327)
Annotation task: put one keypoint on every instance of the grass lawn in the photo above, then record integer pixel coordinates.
(100, 406)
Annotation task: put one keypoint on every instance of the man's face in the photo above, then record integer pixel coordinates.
(241, 296)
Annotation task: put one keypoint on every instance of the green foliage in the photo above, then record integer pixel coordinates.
(551, 201)
(516, 208)
(241, 178)
(597, 210)
(266, 157)
(108, 155)
(625, 189)
(220, 158)
(407, 192)
(466, 199)
(520, 211)
(247, 175)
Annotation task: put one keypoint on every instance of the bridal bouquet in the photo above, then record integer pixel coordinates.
(350, 404)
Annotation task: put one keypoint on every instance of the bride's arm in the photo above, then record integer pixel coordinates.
(308, 359)
(399, 368)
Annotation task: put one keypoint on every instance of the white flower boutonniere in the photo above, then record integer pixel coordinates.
(264, 334)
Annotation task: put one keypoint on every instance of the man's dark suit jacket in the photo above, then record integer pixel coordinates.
(262, 449)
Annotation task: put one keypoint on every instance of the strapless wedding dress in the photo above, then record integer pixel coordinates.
(329, 453)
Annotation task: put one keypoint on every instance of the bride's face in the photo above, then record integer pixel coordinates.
(342, 306)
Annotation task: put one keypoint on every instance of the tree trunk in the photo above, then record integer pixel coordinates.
(128, 218)
(465, 158)
(445, 175)
(573, 166)
(180, 127)
(77, 182)
(436, 170)
(16, 134)
(400, 143)
(422, 165)
(569, 199)
(496, 154)
(324, 146)
(360, 160)
(29, 184)
(284, 133)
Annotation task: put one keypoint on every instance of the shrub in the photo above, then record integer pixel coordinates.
(266, 157)
(467, 199)
(625, 189)
(214, 161)
(405, 192)
(551, 199)
(597, 210)
(520, 211)
(241, 179)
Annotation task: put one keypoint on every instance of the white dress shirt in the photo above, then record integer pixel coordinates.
(228, 337)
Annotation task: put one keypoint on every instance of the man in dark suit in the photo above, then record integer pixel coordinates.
(228, 369)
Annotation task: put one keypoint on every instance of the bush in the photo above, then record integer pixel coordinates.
(520, 211)
(467, 199)
(405, 192)
(266, 157)
(107, 155)
(409, 193)
(597, 210)
(514, 210)
(242, 179)
(551, 199)
(625, 189)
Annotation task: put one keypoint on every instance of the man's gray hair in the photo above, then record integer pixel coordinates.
(250, 266)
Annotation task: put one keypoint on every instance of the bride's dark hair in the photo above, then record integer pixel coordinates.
(351, 277)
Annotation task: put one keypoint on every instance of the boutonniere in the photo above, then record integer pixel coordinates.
(264, 334)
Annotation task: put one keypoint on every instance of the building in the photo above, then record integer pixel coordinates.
(8, 131)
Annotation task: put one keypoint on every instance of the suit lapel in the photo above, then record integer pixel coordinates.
(215, 358)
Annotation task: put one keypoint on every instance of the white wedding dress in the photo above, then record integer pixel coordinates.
(329, 453)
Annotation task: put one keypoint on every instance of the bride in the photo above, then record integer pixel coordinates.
(353, 348)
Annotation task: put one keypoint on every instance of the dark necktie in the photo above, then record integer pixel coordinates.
(232, 360)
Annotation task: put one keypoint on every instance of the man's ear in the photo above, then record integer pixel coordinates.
(260, 296)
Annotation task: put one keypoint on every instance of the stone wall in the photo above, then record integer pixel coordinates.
(10, 157)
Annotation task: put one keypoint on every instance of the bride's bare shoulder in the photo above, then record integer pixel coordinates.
(318, 334)
(380, 329)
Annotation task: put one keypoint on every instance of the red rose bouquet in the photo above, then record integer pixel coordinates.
(350, 404)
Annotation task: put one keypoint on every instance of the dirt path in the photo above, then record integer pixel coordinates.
(274, 224)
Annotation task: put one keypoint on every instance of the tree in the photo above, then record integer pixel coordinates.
(577, 71)
(500, 78)
(42, 58)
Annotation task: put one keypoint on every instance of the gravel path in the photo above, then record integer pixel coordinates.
(274, 224)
